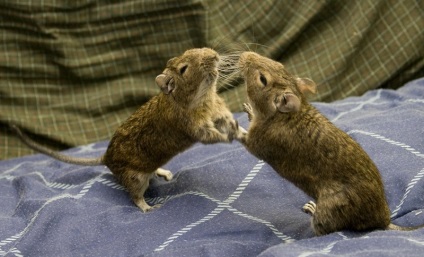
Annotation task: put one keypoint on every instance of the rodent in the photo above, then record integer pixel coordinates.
(305, 148)
(186, 111)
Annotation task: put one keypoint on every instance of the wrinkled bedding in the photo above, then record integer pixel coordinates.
(222, 200)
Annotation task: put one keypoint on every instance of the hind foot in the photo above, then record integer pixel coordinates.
(310, 208)
(166, 174)
(144, 207)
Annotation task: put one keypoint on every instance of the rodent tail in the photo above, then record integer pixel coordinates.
(399, 228)
(54, 154)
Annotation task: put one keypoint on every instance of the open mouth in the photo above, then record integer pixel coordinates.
(166, 83)
(170, 83)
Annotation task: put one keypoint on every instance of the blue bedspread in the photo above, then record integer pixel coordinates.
(222, 200)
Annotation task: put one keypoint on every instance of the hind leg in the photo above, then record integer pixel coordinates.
(143, 181)
(328, 215)
(319, 226)
(144, 184)
(311, 208)
(137, 183)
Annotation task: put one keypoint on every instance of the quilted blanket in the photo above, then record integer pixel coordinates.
(222, 200)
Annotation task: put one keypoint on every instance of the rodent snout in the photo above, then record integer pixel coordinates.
(248, 55)
(247, 59)
(208, 55)
(165, 83)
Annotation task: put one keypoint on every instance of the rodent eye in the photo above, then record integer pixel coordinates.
(263, 79)
(183, 69)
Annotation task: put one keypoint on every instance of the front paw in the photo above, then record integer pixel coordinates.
(241, 134)
(249, 110)
(221, 124)
(236, 131)
(229, 128)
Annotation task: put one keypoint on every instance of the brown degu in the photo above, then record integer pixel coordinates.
(188, 110)
(305, 148)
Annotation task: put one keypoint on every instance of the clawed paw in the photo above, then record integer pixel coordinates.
(310, 208)
(249, 110)
(166, 174)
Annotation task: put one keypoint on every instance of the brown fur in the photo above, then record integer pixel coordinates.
(308, 150)
(187, 111)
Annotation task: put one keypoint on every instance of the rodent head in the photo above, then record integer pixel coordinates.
(190, 77)
(271, 88)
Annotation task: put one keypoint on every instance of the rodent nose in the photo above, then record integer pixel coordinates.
(243, 57)
(246, 55)
(212, 57)
(209, 51)
(217, 57)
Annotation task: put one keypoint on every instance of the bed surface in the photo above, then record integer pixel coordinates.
(222, 200)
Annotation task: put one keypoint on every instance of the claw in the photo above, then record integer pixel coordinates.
(310, 208)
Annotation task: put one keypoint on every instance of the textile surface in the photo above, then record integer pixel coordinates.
(72, 71)
(222, 200)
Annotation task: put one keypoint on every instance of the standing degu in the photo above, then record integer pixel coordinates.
(188, 110)
(305, 148)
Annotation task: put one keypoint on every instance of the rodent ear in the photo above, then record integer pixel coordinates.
(165, 83)
(306, 86)
(289, 102)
